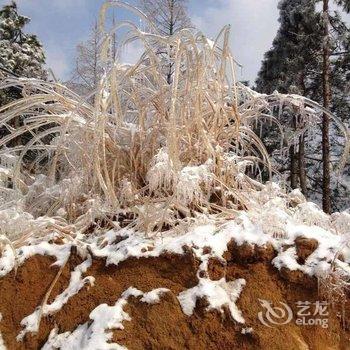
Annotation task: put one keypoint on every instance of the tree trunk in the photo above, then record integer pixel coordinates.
(293, 168)
(326, 200)
(301, 154)
(301, 159)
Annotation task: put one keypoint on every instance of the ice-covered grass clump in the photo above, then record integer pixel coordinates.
(158, 155)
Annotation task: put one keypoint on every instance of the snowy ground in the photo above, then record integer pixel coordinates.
(117, 245)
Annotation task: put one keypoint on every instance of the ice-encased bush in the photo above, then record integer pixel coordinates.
(161, 153)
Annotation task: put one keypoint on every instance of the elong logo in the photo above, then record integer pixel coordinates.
(283, 314)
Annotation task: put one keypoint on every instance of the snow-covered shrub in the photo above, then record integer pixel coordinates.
(163, 152)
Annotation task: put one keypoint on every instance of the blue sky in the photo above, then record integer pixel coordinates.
(62, 24)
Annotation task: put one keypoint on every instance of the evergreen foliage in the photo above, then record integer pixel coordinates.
(20, 53)
(294, 65)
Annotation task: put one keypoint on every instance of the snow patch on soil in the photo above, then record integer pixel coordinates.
(2, 344)
(10, 258)
(198, 238)
(248, 330)
(277, 225)
(60, 251)
(96, 334)
(219, 294)
(319, 262)
(31, 323)
(7, 260)
(211, 241)
(208, 240)
(153, 297)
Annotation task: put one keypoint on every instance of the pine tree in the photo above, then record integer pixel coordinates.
(289, 68)
(297, 63)
(293, 56)
(20, 53)
(326, 94)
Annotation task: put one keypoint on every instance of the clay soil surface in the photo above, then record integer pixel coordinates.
(164, 325)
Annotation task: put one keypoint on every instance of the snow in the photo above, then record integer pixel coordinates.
(218, 294)
(2, 344)
(207, 237)
(247, 330)
(273, 223)
(319, 263)
(95, 334)
(310, 214)
(153, 297)
(161, 175)
(60, 251)
(7, 261)
(31, 323)
(188, 188)
(242, 230)
(197, 239)
(20, 49)
(15, 222)
(10, 258)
